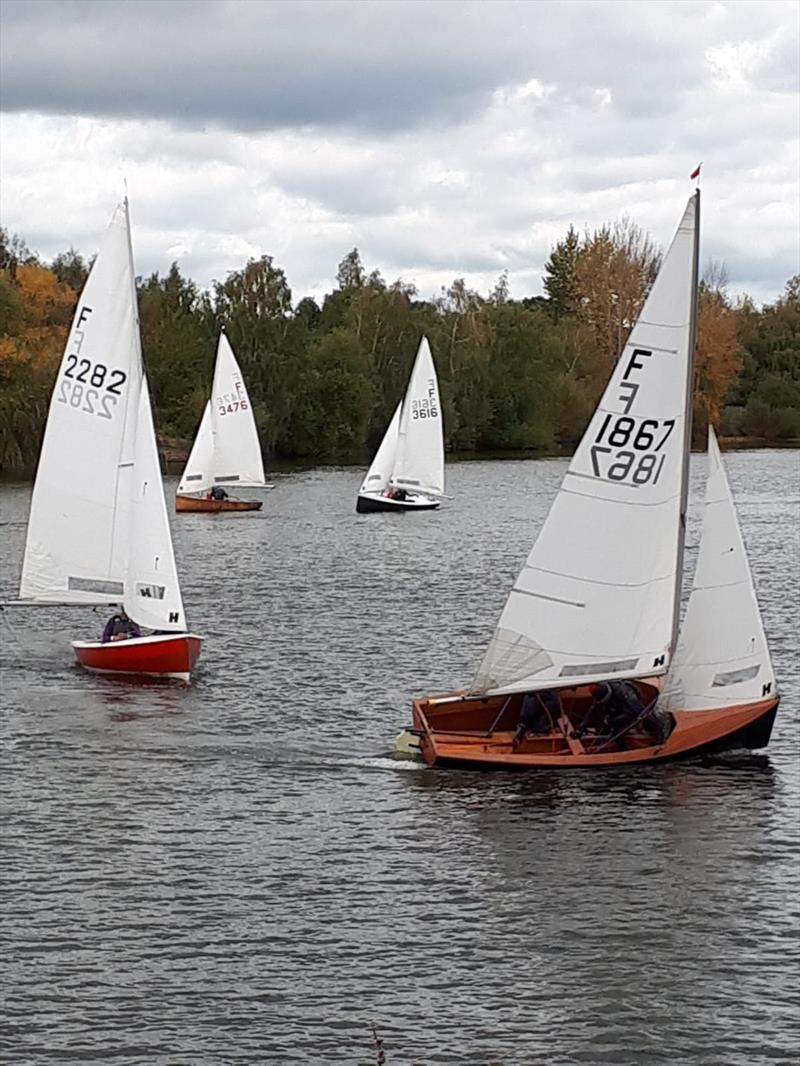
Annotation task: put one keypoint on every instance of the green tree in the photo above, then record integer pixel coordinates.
(560, 276)
(766, 400)
(178, 347)
(254, 306)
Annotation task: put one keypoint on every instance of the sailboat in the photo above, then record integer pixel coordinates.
(407, 473)
(595, 610)
(98, 532)
(226, 450)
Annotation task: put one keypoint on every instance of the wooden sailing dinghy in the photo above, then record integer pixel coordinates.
(98, 531)
(598, 600)
(226, 452)
(407, 473)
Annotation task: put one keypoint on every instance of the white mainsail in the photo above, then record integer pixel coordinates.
(78, 532)
(419, 460)
(380, 472)
(98, 529)
(598, 595)
(722, 659)
(152, 592)
(226, 450)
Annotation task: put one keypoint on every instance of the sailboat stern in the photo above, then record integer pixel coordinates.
(172, 655)
(748, 726)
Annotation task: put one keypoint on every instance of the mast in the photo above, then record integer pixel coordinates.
(687, 426)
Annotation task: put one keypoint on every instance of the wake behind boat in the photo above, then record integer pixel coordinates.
(585, 667)
(407, 473)
(226, 451)
(98, 532)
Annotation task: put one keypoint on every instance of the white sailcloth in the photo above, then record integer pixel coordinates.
(597, 596)
(152, 592)
(419, 459)
(226, 450)
(77, 542)
(380, 472)
(722, 659)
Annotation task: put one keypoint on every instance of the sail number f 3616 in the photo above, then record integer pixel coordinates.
(427, 407)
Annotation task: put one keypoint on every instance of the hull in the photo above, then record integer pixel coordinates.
(480, 732)
(371, 502)
(168, 656)
(195, 505)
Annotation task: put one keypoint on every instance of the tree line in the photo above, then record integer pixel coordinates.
(324, 377)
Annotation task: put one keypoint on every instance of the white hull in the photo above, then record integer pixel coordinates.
(375, 501)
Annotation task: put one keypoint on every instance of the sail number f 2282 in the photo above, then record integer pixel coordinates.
(86, 385)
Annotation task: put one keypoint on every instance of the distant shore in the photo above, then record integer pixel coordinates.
(175, 452)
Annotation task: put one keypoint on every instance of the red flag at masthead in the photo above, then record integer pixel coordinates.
(695, 173)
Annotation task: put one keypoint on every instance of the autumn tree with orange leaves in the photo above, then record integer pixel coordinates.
(35, 312)
(718, 359)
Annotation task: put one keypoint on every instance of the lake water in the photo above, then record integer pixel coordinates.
(236, 872)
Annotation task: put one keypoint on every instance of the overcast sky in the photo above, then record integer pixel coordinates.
(443, 138)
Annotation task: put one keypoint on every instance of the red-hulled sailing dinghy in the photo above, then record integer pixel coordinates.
(98, 532)
(586, 667)
(155, 656)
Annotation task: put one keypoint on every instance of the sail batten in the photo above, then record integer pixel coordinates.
(613, 538)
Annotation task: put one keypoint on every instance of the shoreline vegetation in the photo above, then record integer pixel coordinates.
(174, 454)
(519, 378)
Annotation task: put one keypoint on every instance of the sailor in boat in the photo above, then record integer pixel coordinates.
(621, 707)
(120, 627)
(539, 713)
(217, 493)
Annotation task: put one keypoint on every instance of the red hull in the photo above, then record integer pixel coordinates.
(158, 656)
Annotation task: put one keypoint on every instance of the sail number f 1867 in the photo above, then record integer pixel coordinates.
(624, 449)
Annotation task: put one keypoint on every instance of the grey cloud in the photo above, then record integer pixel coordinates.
(378, 65)
(246, 65)
(411, 130)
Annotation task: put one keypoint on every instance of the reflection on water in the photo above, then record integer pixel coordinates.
(235, 872)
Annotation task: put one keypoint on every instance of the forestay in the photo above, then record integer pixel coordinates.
(597, 596)
(380, 472)
(78, 533)
(152, 592)
(419, 462)
(226, 450)
(722, 658)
